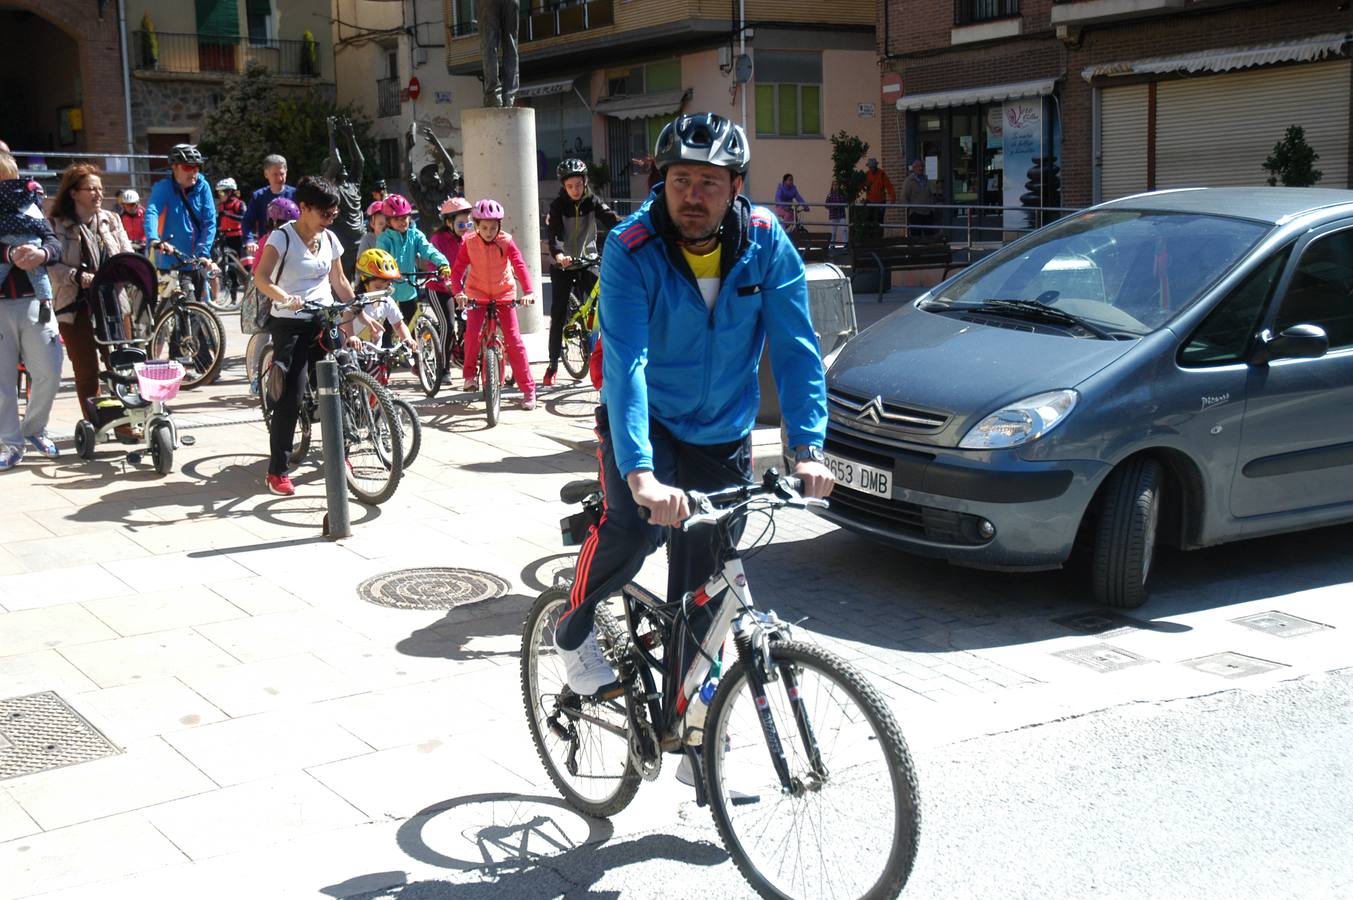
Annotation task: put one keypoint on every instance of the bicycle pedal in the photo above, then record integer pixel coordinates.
(610, 691)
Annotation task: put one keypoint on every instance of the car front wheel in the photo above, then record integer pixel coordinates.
(1125, 534)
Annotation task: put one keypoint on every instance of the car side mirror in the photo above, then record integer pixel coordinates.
(1303, 341)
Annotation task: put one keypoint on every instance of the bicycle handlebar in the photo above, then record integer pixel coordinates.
(333, 309)
(582, 262)
(186, 261)
(714, 506)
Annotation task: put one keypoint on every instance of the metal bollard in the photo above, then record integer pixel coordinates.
(336, 522)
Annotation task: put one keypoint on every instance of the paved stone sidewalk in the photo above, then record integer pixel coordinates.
(273, 734)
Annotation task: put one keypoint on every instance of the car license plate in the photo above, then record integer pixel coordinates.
(859, 477)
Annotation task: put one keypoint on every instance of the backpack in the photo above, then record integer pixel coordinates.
(256, 307)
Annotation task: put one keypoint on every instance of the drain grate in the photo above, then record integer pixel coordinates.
(433, 588)
(1102, 658)
(1280, 624)
(41, 731)
(1232, 665)
(1102, 623)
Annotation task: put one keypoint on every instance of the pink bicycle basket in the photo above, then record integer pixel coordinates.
(159, 379)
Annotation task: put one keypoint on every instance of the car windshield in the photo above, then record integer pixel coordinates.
(1120, 272)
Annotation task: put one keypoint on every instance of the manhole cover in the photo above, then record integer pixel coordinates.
(1232, 665)
(437, 588)
(1102, 623)
(1102, 658)
(1280, 624)
(40, 732)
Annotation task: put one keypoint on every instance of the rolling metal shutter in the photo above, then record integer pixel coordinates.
(1217, 130)
(1122, 141)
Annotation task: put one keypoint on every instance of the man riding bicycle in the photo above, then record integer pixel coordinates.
(181, 214)
(692, 284)
(575, 218)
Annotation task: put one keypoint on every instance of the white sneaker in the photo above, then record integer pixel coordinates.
(588, 671)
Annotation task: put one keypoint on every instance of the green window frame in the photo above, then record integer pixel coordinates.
(788, 93)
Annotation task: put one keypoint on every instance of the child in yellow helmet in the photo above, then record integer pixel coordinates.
(377, 270)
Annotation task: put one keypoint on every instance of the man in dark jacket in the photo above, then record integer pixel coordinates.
(575, 221)
(256, 213)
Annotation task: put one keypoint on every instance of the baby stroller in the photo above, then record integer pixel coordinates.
(137, 386)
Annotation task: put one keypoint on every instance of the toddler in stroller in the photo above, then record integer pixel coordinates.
(137, 386)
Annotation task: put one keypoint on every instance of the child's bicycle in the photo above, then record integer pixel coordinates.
(379, 362)
(373, 442)
(580, 320)
(439, 341)
(492, 357)
(804, 768)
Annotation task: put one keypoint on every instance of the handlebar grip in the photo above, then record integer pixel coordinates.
(794, 483)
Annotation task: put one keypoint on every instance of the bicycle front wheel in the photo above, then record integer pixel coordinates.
(583, 743)
(194, 337)
(849, 825)
(372, 442)
(491, 376)
(575, 349)
(428, 359)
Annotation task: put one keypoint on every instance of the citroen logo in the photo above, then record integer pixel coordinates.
(871, 411)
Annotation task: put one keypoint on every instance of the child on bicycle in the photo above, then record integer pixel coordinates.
(376, 271)
(576, 223)
(492, 258)
(404, 241)
(375, 224)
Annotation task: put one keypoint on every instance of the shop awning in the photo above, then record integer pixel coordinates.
(1226, 59)
(546, 88)
(643, 106)
(972, 96)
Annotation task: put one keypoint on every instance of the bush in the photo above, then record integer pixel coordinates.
(255, 118)
(1293, 160)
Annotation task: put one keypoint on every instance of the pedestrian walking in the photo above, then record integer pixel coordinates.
(878, 189)
(28, 333)
(917, 197)
(836, 217)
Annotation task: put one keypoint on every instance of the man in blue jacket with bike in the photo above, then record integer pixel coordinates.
(692, 285)
(181, 214)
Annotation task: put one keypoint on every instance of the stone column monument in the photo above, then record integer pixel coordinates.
(499, 161)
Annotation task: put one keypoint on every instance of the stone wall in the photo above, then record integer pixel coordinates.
(181, 103)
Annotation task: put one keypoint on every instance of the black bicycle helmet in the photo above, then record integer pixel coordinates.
(570, 167)
(187, 154)
(703, 138)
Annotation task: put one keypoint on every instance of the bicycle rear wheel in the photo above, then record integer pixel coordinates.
(409, 428)
(372, 443)
(301, 442)
(197, 342)
(575, 349)
(583, 743)
(850, 825)
(491, 373)
(428, 359)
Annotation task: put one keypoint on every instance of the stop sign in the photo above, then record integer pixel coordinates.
(414, 88)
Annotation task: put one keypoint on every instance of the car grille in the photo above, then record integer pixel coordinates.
(942, 526)
(874, 416)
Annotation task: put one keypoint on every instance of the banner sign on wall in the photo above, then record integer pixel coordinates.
(1022, 136)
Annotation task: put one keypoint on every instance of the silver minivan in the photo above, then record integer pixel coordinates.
(1171, 368)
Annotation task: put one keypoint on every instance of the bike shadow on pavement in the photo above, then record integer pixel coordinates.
(845, 586)
(569, 461)
(518, 846)
(483, 630)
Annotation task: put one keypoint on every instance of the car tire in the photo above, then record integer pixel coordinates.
(1125, 534)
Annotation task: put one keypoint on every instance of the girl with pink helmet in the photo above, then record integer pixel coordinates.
(403, 240)
(375, 224)
(492, 258)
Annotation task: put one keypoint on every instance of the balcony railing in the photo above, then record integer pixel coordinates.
(387, 97)
(553, 20)
(971, 12)
(214, 54)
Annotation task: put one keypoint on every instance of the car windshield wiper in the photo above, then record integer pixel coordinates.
(1028, 309)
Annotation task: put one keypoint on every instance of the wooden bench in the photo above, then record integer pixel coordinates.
(884, 256)
(813, 246)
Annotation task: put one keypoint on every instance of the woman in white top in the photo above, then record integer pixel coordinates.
(302, 261)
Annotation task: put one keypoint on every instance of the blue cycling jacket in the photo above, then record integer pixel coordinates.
(407, 249)
(167, 219)
(692, 368)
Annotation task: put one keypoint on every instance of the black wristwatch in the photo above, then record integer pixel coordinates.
(809, 453)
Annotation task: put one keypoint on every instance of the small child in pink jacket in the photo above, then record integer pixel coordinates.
(489, 254)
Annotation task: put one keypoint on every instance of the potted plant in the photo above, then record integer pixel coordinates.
(150, 44)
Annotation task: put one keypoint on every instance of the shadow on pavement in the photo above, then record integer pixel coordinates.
(450, 637)
(569, 460)
(915, 604)
(522, 846)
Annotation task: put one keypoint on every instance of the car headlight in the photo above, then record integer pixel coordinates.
(1020, 422)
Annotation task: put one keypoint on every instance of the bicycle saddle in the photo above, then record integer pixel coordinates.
(578, 491)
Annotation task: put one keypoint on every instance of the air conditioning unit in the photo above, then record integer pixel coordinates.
(420, 56)
(725, 57)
